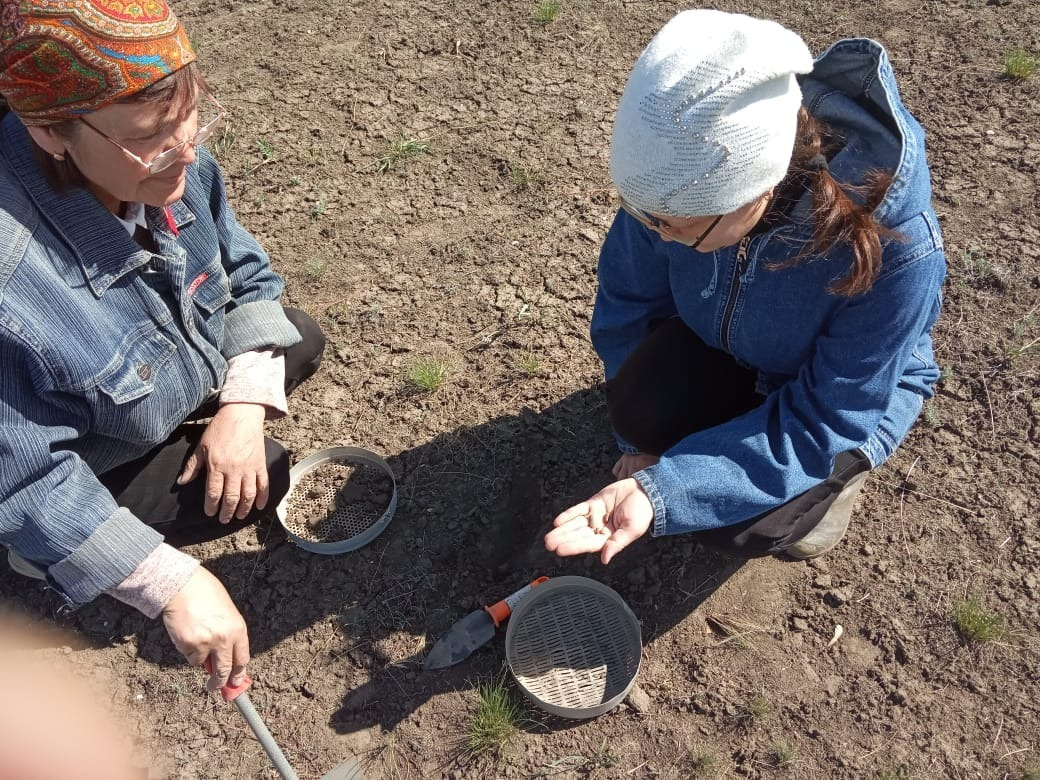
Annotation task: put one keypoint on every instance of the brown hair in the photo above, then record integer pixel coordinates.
(838, 218)
(177, 91)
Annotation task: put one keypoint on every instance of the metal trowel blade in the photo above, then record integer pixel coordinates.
(347, 770)
(463, 638)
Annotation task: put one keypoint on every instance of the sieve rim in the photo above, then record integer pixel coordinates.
(546, 591)
(341, 454)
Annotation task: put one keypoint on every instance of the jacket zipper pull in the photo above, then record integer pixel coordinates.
(742, 251)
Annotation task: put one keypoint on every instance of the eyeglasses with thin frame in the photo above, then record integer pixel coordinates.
(168, 157)
(654, 223)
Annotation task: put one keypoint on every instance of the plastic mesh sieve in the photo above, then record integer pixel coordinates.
(339, 499)
(574, 647)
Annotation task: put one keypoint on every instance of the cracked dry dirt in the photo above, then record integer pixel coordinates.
(481, 252)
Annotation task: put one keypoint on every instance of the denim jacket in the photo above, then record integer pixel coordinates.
(106, 348)
(838, 373)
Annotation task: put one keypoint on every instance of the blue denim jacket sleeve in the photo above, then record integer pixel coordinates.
(630, 298)
(53, 510)
(255, 317)
(867, 378)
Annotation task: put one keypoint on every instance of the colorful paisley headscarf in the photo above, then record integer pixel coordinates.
(60, 59)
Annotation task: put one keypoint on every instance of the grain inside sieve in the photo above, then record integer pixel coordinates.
(574, 647)
(339, 499)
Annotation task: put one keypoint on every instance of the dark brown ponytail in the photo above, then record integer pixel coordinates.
(837, 217)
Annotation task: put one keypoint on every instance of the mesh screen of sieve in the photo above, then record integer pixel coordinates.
(337, 500)
(576, 649)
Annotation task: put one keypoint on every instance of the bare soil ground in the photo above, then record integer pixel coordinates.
(480, 253)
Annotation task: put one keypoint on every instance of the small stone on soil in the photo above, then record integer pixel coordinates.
(822, 581)
(837, 597)
(638, 699)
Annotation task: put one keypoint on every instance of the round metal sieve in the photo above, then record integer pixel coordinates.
(339, 499)
(574, 647)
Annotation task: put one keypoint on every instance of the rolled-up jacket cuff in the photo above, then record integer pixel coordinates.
(624, 446)
(255, 325)
(646, 482)
(105, 558)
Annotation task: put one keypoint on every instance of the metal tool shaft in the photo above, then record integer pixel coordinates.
(252, 717)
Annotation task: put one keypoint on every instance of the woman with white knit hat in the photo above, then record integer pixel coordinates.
(767, 290)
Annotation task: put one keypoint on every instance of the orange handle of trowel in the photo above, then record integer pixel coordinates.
(230, 692)
(501, 610)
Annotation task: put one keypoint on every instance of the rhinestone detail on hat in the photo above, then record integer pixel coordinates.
(684, 106)
(664, 113)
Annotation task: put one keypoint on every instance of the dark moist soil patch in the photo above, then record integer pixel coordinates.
(337, 501)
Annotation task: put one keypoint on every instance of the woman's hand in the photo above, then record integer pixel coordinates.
(629, 464)
(204, 623)
(232, 453)
(608, 522)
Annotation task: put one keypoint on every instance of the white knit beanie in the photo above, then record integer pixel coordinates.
(707, 121)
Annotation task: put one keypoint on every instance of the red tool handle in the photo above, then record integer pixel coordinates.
(230, 692)
(501, 610)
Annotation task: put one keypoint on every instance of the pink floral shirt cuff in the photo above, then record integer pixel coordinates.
(157, 579)
(257, 377)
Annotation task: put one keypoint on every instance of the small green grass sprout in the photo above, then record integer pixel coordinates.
(399, 149)
(523, 175)
(977, 624)
(1019, 64)
(266, 150)
(754, 710)
(702, 764)
(495, 722)
(547, 11)
(783, 754)
(529, 364)
(602, 757)
(316, 269)
(428, 373)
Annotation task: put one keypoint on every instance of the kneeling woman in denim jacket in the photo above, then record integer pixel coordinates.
(766, 293)
(131, 302)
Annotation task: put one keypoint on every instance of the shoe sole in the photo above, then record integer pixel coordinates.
(23, 567)
(832, 526)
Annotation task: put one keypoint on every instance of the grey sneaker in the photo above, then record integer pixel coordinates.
(23, 567)
(832, 526)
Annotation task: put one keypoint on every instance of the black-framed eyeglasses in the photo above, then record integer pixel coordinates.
(660, 225)
(168, 157)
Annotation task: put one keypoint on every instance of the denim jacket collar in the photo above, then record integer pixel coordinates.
(80, 218)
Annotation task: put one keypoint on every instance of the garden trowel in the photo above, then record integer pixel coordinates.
(474, 630)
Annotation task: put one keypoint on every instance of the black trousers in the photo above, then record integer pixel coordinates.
(674, 385)
(148, 485)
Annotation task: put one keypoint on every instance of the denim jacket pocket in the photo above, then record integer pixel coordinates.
(210, 290)
(132, 374)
